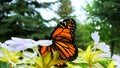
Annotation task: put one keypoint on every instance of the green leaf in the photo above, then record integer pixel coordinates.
(83, 65)
(104, 62)
(4, 65)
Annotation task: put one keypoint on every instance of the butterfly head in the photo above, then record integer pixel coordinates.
(68, 23)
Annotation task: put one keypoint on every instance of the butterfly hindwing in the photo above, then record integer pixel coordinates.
(66, 52)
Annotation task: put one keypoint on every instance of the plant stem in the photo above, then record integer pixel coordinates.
(90, 64)
(10, 65)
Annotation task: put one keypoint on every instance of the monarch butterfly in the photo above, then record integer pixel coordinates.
(63, 41)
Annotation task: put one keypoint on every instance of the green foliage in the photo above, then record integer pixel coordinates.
(83, 35)
(19, 18)
(65, 9)
(105, 13)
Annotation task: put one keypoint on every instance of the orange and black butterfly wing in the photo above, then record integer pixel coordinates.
(64, 40)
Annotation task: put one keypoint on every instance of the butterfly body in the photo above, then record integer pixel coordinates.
(63, 38)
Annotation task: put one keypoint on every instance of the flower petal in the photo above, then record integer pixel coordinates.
(29, 54)
(17, 44)
(95, 37)
(44, 42)
(102, 46)
(18, 47)
(23, 40)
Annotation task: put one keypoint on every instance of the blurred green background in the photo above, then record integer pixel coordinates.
(22, 18)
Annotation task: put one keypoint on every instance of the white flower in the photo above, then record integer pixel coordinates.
(17, 44)
(95, 37)
(102, 46)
